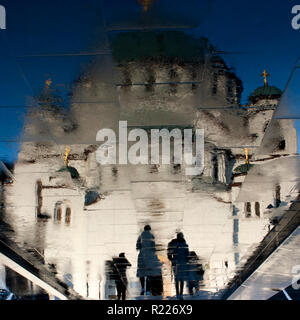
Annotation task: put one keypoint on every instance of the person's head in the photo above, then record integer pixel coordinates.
(147, 228)
(180, 236)
(122, 255)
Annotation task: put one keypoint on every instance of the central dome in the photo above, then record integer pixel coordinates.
(141, 46)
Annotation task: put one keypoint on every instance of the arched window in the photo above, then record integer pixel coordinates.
(257, 209)
(39, 189)
(58, 214)
(215, 167)
(282, 145)
(215, 84)
(248, 209)
(277, 196)
(68, 216)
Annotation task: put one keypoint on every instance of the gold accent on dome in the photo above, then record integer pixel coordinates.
(265, 75)
(66, 156)
(48, 83)
(247, 155)
(145, 4)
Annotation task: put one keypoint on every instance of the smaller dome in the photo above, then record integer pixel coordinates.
(73, 172)
(265, 92)
(91, 197)
(243, 168)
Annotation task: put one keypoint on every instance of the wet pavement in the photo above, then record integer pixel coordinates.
(84, 221)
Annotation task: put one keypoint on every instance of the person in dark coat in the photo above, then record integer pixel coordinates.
(154, 277)
(178, 253)
(195, 273)
(149, 266)
(120, 265)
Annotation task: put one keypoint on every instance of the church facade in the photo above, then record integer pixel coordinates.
(78, 214)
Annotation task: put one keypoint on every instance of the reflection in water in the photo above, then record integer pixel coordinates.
(56, 204)
(178, 253)
(116, 270)
(149, 266)
(195, 273)
(15, 287)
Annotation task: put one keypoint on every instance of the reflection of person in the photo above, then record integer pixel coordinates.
(195, 273)
(154, 277)
(178, 252)
(120, 265)
(149, 267)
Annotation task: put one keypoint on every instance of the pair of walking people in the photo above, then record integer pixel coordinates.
(149, 267)
(185, 265)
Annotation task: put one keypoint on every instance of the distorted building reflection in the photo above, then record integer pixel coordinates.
(79, 214)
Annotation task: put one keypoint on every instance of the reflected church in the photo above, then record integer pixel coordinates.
(80, 215)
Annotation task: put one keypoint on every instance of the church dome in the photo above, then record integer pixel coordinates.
(265, 92)
(73, 172)
(159, 45)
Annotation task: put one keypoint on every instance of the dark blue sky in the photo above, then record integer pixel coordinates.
(260, 29)
(258, 32)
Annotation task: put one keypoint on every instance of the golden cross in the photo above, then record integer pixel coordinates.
(146, 4)
(48, 83)
(265, 75)
(247, 155)
(68, 150)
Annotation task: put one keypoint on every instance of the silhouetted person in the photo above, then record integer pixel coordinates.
(120, 265)
(195, 273)
(149, 267)
(178, 252)
(154, 277)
